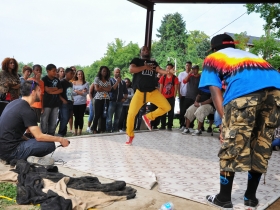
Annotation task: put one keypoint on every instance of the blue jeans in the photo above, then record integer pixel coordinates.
(64, 112)
(48, 120)
(91, 112)
(32, 147)
(115, 108)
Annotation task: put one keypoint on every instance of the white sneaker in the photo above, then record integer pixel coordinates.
(43, 161)
(197, 133)
(191, 130)
(186, 131)
(121, 131)
(182, 128)
(88, 130)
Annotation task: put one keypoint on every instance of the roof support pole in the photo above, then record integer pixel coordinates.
(149, 26)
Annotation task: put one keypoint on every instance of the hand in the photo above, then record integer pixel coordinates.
(64, 102)
(196, 104)
(172, 71)
(119, 79)
(191, 72)
(64, 142)
(38, 76)
(123, 100)
(148, 67)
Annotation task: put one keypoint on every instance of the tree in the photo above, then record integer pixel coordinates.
(266, 46)
(118, 54)
(172, 40)
(200, 42)
(243, 39)
(270, 13)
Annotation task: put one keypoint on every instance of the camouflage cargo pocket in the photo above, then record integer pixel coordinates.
(273, 117)
(228, 148)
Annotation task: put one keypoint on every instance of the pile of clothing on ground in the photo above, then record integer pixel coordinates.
(56, 191)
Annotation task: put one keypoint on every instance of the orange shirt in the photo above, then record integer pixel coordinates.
(42, 86)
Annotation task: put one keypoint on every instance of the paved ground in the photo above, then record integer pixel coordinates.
(145, 199)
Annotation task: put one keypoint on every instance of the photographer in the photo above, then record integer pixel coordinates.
(118, 95)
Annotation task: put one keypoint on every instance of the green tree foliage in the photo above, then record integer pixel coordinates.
(172, 40)
(118, 54)
(176, 42)
(266, 46)
(243, 39)
(269, 12)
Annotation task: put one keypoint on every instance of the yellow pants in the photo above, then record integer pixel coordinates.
(137, 102)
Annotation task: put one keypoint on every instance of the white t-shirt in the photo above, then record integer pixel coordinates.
(183, 87)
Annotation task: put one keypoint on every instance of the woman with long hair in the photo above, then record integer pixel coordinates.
(9, 80)
(101, 98)
(80, 91)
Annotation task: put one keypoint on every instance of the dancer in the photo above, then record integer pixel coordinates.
(145, 70)
(250, 108)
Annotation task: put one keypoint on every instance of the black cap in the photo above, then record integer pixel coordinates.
(222, 41)
(195, 67)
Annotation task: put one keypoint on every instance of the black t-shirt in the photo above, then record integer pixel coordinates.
(204, 96)
(16, 117)
(51, 100)
(144, 80)
(67, 87)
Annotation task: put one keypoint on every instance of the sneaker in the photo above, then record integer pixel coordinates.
(197, 133)
(129, 140)
(209, 130)
(182, 128)
(147, 122)
(250, 204)
(89, 130)
(191, 130)
(186, 131)
(213, 201)
(43, 161)
(121, 131)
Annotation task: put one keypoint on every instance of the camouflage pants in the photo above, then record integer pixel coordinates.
(248, 126)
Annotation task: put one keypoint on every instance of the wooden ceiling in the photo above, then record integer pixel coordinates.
(149, 3)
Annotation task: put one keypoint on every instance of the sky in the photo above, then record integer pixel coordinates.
(71, 32)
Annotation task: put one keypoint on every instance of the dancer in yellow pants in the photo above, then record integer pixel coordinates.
(144, 73)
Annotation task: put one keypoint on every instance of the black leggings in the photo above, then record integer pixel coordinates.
(98, 113)
(79, 111)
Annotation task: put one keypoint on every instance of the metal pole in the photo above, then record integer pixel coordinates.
(149, 26)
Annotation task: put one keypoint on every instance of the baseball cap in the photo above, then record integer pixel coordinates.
(195, 67)
(222, 41)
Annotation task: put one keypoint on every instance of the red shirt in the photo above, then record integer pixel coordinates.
(168, 88)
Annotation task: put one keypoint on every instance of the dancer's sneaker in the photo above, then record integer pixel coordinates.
(250, 204)
(42, 161)
(213, 201)
(197, 133)
(147, 122)
(129, 140)
(182, 128)
(186, 131)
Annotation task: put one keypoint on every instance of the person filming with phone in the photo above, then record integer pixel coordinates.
(12, 143)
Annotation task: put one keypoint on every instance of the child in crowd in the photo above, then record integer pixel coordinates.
(66, 97)
(51, 100)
